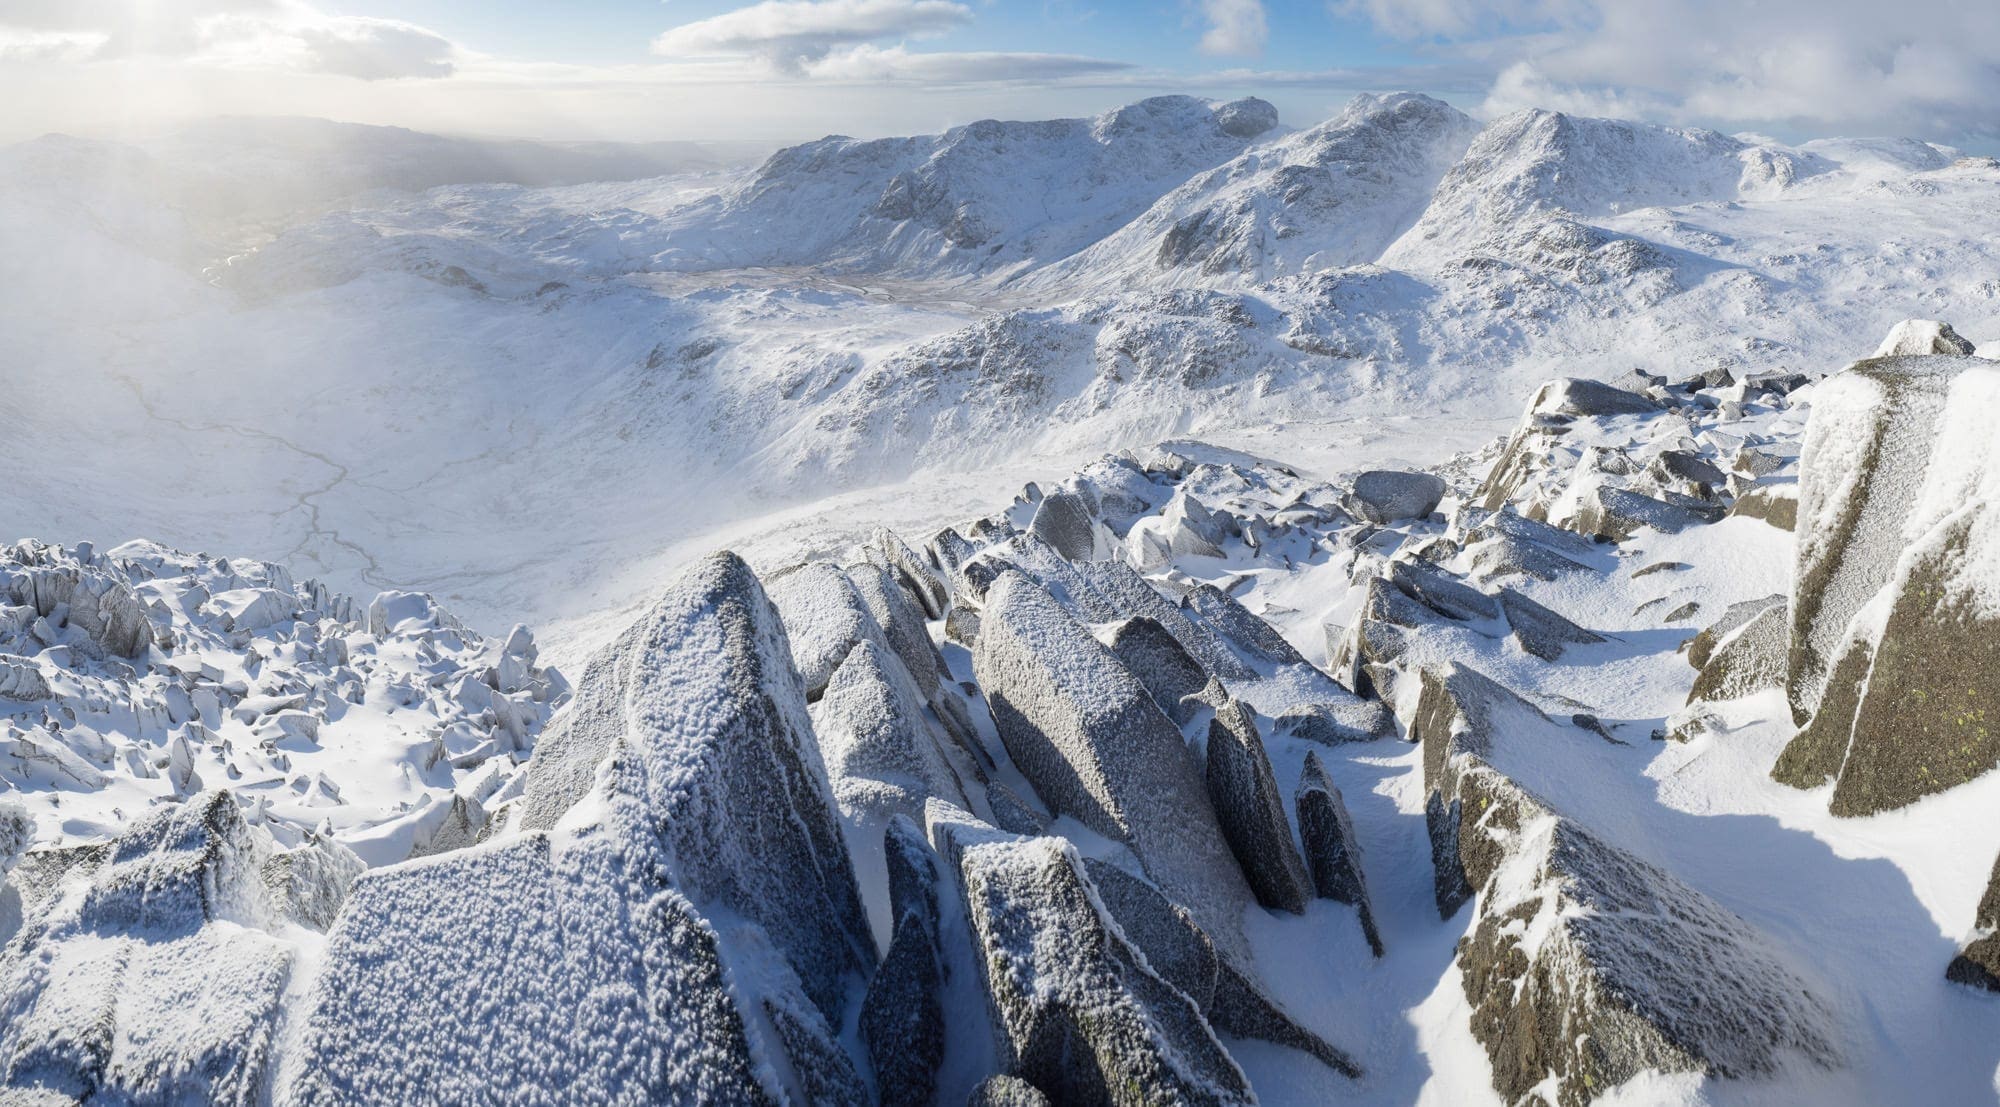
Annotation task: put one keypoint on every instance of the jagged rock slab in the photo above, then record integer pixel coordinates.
(1006, 1091)
(902, 1018)
(701, 705)
(1252, 811)
(1586, 966)
(1332, 853)
(145, 968)
(1083, 1016)
(1088, 736)
(1168, 671)
(1898, 584)
(1178, 949)
(1744, 658)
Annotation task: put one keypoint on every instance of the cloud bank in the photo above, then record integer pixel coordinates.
(276, 34)
(789, 35)
(1923, 66)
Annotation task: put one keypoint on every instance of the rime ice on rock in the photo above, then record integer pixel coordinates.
(147, 968)
(1895, 616)
(1389, 496)
(1087, 735)
(902, 1020)
(1332, 853)
(1083, 1015)
(1252, 811)
(679, 819)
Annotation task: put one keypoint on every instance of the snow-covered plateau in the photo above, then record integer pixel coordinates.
(1160, 608)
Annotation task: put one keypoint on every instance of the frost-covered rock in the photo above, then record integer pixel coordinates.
(1743, 653)
(1391, 496)
(1252, 811)
(1894, 665)
(1069, 526)
(1083, 1015)
(1183, 955)
(50, 579)
(902, 1019)
(1006, 1091)
(1332, 853)
(678, 821)
(1088, 736)
(1168, 671)
(1586, 966)
(146, 968)
(701, 698)
(1916, 337)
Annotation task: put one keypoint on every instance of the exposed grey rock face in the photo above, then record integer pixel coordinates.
(1390, 496)
(1894, 665)
(1168, 671)
(1082, 1014)
(1741, 659)
(1776, 503)
(1006, 1091)
(902, 1019)
(706, 799)
(1540, 631)
(911, 572)
(1978, 964)
(1068, 525)
(1504, 543)
(1088, 736)
(1252, 811)
(143, 969)
(1332, 853)
(1631, 971)
(1616, 514)
(1178, 949)
(700, 703)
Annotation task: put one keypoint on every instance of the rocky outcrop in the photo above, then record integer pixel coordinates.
(1088, 736)
(1332, 852)
(1252, 811)
(902, 1018)
(1083, 1016)
(678, 819)
(1168, 671)
(1384, 496)
(1183, 955)
(51, 580)
(1586, 966)
(147, 968)
(1553, 407)
(1894, 666)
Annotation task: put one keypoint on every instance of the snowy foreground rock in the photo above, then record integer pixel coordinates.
(1088, 800)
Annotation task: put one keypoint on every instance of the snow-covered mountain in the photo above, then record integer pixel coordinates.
(1315, 724)
(988, 198)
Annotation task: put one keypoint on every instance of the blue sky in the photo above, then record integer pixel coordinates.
(791, 69)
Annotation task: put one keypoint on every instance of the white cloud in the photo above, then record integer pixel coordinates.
(1236, 28)
(376, 49)
(282, 34)
(872, 63)
(790, 35)
(1926, 67)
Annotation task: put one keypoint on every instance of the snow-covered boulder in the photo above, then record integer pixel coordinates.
(1006, 1091)
(1894, 667)
(679, 818)
(1088, 736)
(147, 968)
(50, 579)
(1586, 966)
(1391, 496)
(1082, 1013)
(1916, 337)
(1332, 853)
